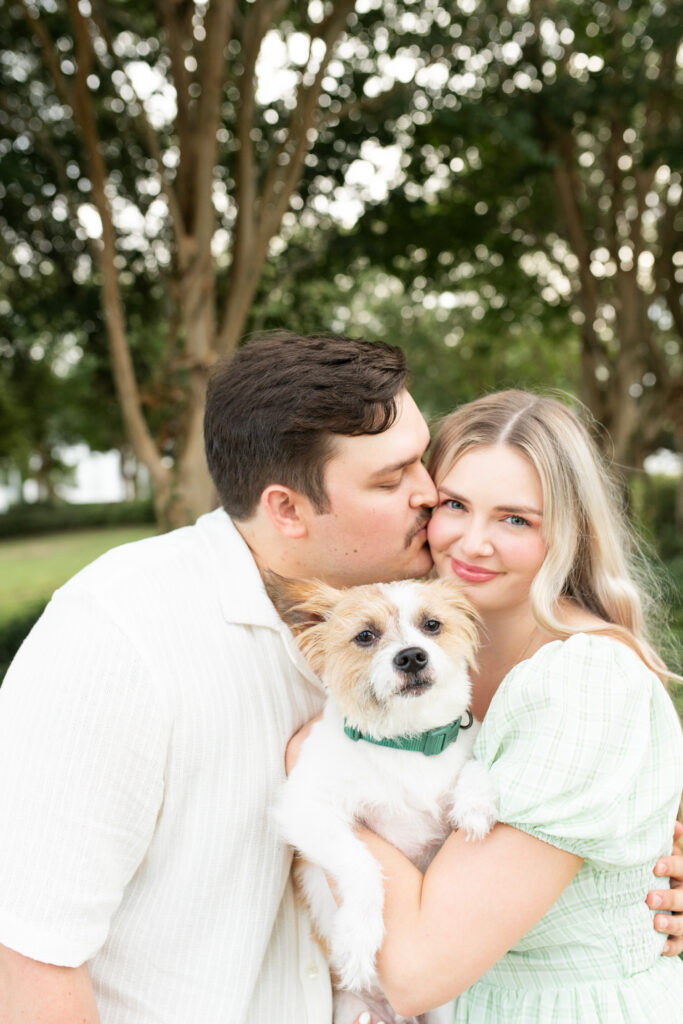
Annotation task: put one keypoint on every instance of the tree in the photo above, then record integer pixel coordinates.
(548, 150)
(165, 144)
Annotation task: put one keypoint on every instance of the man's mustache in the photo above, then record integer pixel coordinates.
(421, 523)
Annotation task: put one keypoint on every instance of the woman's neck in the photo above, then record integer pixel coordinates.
(506, 640)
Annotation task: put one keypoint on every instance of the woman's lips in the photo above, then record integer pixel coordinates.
(472, 573)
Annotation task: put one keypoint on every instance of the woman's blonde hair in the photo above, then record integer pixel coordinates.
(591, 555)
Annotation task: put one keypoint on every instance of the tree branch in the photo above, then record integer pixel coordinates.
(144, 124)
(218, 23)
(122, 365)
(50, 53)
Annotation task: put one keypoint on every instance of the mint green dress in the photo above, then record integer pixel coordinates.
(585, 748)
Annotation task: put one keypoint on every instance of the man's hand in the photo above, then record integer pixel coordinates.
(670, 900)
(33, 991)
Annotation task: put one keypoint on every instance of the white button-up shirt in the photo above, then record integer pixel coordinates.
(142, 733)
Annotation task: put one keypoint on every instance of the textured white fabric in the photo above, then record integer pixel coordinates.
(142, 731)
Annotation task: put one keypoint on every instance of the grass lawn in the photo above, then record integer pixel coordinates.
(32, 568)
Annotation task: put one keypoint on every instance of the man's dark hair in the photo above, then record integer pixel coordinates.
(273, 409)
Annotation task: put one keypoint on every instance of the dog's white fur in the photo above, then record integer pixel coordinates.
(351, 638)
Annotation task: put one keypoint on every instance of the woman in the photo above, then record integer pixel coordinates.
(545, 919)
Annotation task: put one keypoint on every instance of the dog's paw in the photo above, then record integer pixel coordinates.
(476, 823)
(474, 806)
(357, 934)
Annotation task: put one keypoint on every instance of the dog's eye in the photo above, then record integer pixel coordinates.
(365, 638)
(431, 626)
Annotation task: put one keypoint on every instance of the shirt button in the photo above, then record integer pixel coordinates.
(312, 971)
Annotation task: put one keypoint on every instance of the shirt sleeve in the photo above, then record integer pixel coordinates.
(82, 754)
(584, 747)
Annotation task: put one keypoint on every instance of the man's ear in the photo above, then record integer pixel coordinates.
(286, 510)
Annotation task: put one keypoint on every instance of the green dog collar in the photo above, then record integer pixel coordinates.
(431, 742)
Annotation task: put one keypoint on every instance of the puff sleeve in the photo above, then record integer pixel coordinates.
(585, 749)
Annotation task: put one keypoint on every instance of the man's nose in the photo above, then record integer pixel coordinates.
(424, 491)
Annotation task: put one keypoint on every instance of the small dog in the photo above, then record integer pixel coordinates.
(392, 750)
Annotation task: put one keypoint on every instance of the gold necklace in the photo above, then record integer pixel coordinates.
(521, 656)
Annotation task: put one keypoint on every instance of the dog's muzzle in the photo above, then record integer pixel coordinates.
(412, 662)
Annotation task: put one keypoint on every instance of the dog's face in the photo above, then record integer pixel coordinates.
(394, 656)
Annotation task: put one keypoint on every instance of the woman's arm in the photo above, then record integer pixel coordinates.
(476, 900)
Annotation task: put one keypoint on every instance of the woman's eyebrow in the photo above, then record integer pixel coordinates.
(519, 508)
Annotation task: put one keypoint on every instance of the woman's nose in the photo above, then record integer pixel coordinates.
(475, 540)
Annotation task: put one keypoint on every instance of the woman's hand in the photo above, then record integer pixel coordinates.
(670, 900)
(294, 746)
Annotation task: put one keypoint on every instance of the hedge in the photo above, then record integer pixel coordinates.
(12, 635)
(48, 517)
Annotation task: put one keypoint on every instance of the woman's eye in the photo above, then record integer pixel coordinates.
(365, 638)
(431, 626)
(517, 521)
(453, 504)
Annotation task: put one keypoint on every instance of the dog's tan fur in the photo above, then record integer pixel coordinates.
(309, 606)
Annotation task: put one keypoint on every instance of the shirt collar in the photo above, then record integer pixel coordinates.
(242, 595)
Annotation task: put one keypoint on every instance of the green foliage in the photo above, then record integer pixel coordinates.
(48, 517)
(654, 507)
(13, 633)
(150, 96)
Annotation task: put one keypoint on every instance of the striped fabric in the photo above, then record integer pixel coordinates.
(585, 748)
(142, 731)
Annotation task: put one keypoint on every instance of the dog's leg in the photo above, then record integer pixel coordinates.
(325, 837)
(474, 805)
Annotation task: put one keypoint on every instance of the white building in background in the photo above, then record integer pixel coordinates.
(97, 478)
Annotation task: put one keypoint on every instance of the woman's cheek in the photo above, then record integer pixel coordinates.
(437, 534)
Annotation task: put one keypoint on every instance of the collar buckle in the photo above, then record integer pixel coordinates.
(437, 739)
(431, 742)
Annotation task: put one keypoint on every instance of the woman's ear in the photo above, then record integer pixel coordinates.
(286, 510)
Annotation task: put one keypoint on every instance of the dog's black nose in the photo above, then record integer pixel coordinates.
(411, 659)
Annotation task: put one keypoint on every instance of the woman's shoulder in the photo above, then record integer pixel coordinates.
(579, 619)
(589, 686)
(585, 661)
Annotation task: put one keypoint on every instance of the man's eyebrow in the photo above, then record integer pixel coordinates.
(394, 467)
(510, 509)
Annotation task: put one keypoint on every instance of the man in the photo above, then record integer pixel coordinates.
(143, 724)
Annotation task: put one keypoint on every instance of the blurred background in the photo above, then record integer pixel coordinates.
(495, 186)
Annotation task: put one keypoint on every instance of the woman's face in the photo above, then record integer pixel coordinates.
(487, 528)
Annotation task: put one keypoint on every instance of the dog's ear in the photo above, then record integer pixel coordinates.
(300, 603)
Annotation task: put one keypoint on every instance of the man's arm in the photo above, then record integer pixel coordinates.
(670, 900)
(36, 993)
